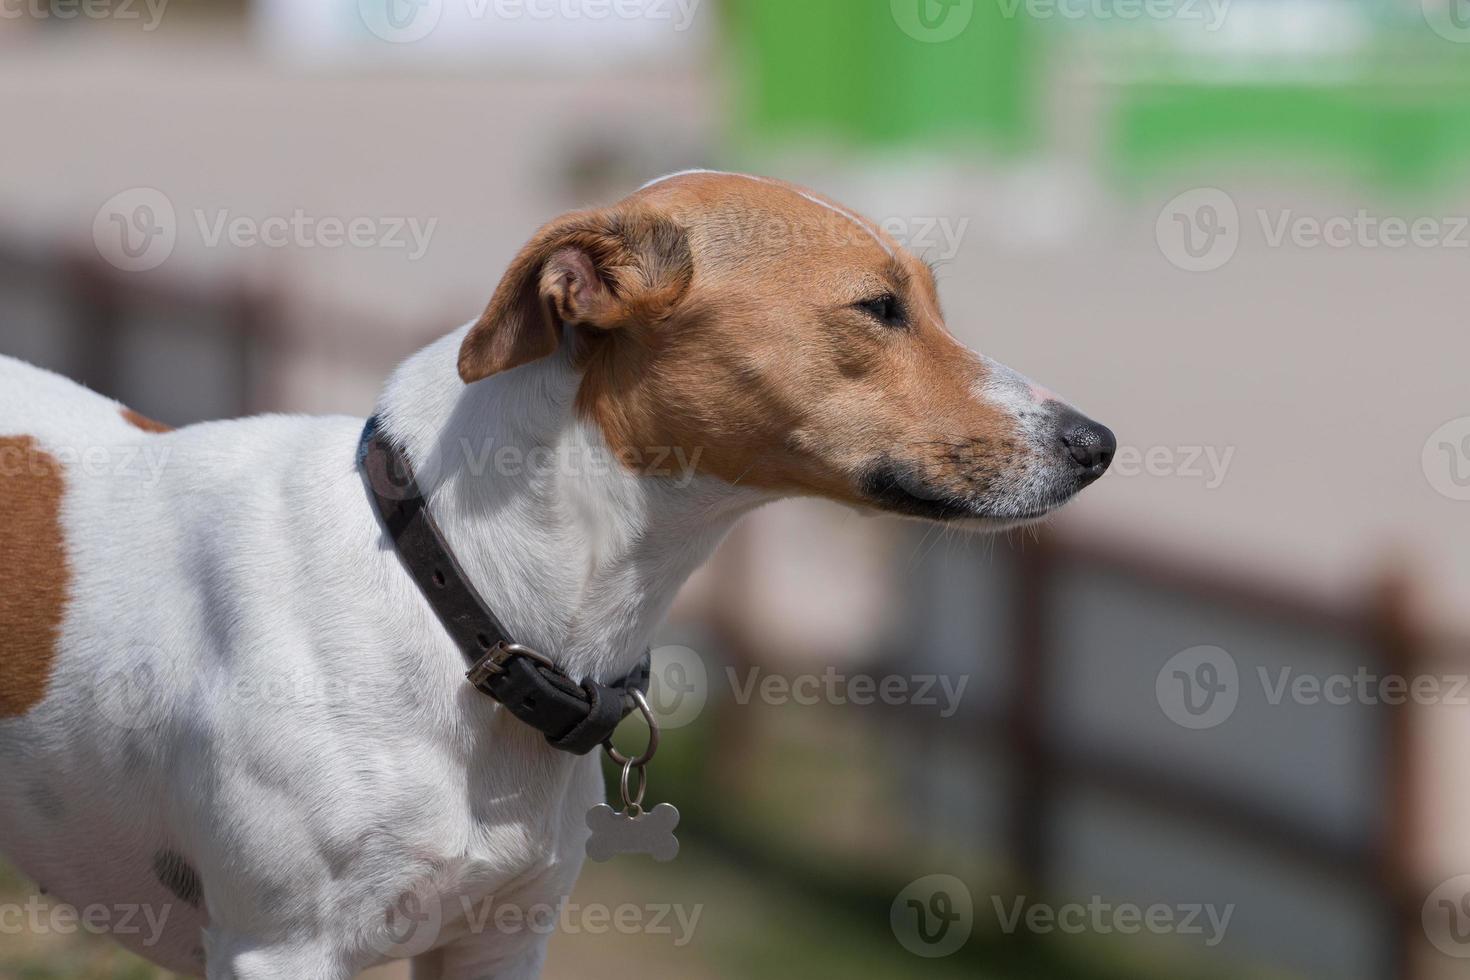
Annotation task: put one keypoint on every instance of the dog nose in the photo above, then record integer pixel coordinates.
(1090, 444)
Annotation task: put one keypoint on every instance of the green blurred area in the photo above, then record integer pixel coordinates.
(1387, 103)
(845, 70)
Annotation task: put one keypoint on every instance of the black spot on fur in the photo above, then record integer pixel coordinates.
(175, 874)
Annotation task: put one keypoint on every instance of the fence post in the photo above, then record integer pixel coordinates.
(96, 320)
(1031, 807)
(1392, 629)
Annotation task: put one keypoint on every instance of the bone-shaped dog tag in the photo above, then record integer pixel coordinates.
(637, 831)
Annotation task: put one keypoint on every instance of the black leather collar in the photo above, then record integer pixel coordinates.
(574, 717)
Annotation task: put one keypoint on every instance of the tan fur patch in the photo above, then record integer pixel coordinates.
(34, 577)
(143, 422)
(720, 321)
(766, 374)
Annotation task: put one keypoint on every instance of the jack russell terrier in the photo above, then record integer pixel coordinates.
(230, 687)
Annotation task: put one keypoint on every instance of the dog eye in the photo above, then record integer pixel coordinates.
(886, 309)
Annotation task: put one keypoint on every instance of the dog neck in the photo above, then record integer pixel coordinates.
(578, 556)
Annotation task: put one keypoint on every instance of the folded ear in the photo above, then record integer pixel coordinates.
(599, 269)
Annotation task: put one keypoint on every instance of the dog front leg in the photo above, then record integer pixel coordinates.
(429, 966)
(237, 958)
(473, 960)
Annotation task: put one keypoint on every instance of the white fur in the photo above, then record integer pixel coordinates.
(305, 738)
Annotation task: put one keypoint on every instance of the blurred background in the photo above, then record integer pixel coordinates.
(1210, 722)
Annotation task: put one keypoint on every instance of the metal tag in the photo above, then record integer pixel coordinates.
(637, 831)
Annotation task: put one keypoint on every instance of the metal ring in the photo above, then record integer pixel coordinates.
(529, 654)
(647, 755)
(634, 803)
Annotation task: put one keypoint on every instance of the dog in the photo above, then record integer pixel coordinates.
(306, 756)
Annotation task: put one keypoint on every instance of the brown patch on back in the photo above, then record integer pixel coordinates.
(34, 576)
(143, 422)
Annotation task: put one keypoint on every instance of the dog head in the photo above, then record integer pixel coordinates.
(787, 344)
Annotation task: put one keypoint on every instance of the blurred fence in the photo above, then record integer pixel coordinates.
(173, 351)
(1136, 729)
(179, 350)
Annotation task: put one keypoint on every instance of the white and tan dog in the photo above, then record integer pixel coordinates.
(308, 752)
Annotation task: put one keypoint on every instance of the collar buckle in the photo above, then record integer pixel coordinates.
(493, 663)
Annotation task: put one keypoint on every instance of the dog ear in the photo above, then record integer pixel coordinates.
(598, 269)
